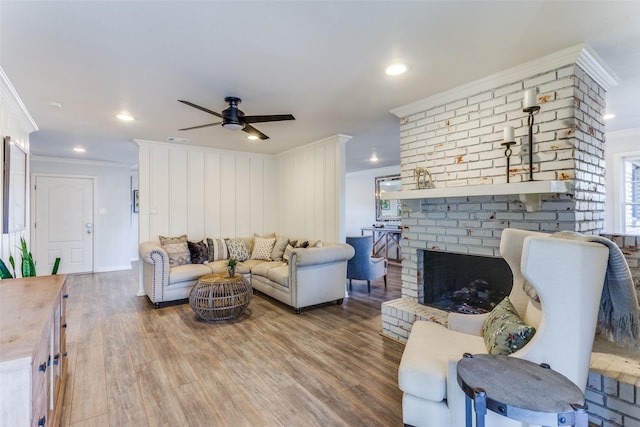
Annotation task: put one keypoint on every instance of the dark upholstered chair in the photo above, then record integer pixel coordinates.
(363, 266)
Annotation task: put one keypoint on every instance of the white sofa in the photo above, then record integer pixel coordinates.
(312, 275)
(568, 277)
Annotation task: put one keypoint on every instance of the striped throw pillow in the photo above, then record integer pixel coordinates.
(217, 249)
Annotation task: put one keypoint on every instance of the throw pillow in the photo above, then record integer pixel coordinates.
(262, 248)
(238, 249)
(177, 250)
(278, 248)
(287, 252)
(199, 252)
(503, 330)
(217, 249)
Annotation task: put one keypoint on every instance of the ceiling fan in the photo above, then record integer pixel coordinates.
(233, 118)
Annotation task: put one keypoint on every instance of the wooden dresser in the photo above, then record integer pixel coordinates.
(33, 358)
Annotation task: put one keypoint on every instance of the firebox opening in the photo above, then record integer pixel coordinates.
(465, 283)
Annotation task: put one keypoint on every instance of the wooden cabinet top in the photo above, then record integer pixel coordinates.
(25, 306)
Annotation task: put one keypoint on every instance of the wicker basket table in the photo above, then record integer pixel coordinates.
(220, 297)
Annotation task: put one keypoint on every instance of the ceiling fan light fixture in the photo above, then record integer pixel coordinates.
(233, 126)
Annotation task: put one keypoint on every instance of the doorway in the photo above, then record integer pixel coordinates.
(63, 224)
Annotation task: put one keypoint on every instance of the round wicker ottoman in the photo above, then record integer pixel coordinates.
(220, 297)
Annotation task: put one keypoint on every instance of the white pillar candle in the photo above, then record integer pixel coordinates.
(530, 98)
(508, 134)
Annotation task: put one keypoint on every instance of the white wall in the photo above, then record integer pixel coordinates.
(204, 192)
(15, 122)
(619, 144)
(114, 230)
(311, 182)
(360, 198)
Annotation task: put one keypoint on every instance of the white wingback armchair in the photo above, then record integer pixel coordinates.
(568, 276)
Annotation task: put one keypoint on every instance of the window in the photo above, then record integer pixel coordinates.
(631, 204)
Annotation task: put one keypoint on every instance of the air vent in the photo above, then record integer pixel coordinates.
(177, 140)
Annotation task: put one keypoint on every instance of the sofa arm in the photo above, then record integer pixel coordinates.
(467, 323)
(313, 256)
(155, 271)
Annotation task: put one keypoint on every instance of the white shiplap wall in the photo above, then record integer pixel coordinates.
(204, 192)
(312, 190)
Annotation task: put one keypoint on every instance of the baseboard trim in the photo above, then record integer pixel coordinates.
(112, 268)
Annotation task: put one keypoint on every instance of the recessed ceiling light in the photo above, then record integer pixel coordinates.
(395, 69)
(252, 137)
(608, 116)
(79, 149)
(125, 117)
(374, 158)
(55, 104)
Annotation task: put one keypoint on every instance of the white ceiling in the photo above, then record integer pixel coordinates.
(321, 61)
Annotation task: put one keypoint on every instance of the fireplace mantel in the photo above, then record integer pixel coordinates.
(529, 192)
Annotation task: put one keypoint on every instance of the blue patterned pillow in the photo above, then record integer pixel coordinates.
(503, 330)
(238, 249)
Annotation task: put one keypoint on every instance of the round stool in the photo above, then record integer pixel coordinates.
(220, 297)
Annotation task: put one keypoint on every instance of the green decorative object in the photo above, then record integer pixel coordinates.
(28, 266)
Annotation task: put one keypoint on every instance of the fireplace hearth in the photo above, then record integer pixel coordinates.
(469, 284)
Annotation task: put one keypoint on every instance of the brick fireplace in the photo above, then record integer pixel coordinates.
(457, 136)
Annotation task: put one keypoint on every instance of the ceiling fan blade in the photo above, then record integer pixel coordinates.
(201, 126)
(270, 118)
(206, 110)
(255, 132)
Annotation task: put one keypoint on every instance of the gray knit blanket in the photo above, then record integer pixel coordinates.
(619, 314)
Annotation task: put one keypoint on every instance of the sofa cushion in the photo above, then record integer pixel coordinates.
(187, 272)
(279, 275)
(423, 367)
(177, 249)
(278, 248)
(262, 268)
(250, 264)
(217, 249)
(238, 249)
(503, 330)
(199, 252)
(262, 248)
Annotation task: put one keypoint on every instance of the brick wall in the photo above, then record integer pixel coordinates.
(613, 402)
(459, 141)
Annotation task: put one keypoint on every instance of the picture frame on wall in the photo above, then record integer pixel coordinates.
(136, 201)
(14, 187)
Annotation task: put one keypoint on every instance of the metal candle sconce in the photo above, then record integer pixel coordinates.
(507, 154)
(530, 106)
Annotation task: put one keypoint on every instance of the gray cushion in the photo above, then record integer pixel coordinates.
(278, 248)
(177, 249)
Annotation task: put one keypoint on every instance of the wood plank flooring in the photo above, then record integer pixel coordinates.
(132, 365)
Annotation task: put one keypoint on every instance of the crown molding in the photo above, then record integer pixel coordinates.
(595, 67)
(340, 138)
(581, 55)
(9, 94)
(50, 159)
(202, 148)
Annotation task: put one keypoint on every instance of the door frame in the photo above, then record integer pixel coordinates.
(32, 210)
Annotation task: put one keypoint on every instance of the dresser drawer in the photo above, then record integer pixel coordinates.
(40, 364)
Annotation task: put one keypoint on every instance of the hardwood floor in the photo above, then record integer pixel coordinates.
(132, 365)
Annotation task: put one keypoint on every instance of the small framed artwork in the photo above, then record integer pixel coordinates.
(136, 201)
(384, 205)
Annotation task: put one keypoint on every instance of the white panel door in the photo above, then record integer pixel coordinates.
(64, 224)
